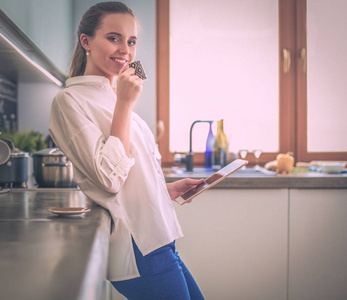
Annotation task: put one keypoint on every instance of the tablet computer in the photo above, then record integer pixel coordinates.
(211, 181)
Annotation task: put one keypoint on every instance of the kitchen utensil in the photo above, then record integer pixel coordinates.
(257, 153)
(15, 170)
(333, 167)
(53, 169)
(243, 153)
(5, 152)
(68, 211)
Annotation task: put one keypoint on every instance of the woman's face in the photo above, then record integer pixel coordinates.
(112, 47)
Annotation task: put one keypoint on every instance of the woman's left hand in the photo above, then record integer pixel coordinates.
(180, 186)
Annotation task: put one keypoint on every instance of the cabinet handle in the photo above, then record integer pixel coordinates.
(58, 164)
(303, 56)
(286, 60)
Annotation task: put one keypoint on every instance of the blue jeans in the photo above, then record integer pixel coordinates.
(163, 277)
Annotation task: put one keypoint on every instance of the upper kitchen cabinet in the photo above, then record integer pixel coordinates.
(42, 30)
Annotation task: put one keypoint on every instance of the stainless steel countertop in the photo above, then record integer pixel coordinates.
(298, 180)
(45, 256)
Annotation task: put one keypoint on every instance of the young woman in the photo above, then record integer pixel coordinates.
(115, 159)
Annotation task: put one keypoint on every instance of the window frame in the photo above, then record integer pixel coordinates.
(292, 86)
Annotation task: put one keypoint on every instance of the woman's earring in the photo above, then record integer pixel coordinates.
(87, 53)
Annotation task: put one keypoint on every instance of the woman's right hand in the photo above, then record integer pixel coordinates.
(129, 86)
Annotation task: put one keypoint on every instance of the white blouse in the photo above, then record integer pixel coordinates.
(132, 189)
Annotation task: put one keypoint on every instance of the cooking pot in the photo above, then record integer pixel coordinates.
(53, 169)
(5, 152)
(15, 170)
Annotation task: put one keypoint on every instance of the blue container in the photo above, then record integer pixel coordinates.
(209, 148)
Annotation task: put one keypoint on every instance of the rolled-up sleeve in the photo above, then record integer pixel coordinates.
(97, 156)
(114, 158)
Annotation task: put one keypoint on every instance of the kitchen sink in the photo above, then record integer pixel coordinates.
(203, 172)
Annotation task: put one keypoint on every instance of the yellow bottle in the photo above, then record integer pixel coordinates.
(220, 148)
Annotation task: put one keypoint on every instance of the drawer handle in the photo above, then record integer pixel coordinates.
(55, 164)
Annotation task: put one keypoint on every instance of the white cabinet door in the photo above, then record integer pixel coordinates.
(318, 245)
(235, 243)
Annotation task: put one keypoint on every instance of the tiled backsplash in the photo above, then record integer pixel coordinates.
(8, 104)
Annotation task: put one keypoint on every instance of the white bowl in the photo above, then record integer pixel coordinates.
(332, 167)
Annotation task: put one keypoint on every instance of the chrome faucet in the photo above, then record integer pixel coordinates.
(188, 158)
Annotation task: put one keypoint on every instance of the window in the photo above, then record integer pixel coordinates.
(246, 62)
(320, 81)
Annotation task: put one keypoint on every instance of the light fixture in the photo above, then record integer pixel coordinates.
(37, 66)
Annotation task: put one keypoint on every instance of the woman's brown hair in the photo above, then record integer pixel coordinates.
(90, 21)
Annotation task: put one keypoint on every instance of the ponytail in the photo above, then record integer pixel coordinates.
(79, 61)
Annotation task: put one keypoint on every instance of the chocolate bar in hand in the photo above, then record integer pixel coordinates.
(139, 70)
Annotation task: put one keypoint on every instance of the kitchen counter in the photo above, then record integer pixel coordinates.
(46, 256)
(252, 181)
